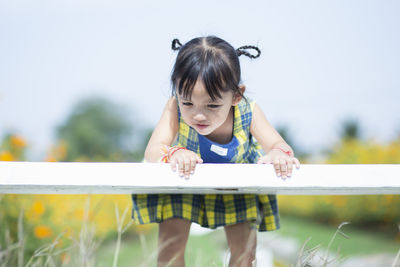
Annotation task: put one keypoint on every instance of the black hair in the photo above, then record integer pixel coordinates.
(210, 59)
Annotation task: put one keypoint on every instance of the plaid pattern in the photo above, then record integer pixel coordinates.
(211, 210)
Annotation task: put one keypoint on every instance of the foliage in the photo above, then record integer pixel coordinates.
(350, 130)
(97, 130)
(378, 211)
(70, 247)
(47, 216)
(12, 147)
(365, 152)
(362, 241)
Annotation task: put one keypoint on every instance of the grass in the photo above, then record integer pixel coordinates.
(204, 250)
(208, 250)
(88, 251)
(132, 252)
(359, 242)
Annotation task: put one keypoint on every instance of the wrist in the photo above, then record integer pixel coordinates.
(285, 148)
(169, 151)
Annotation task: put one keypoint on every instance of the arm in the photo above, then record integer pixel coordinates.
(263, 131)
(163, 136)
(273, 144)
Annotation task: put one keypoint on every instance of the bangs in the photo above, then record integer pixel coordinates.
(214, 72)
(210, 60)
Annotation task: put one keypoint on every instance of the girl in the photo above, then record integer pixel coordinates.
(210, 121)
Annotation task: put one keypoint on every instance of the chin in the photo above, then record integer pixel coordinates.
(202, 132)
(205, 131)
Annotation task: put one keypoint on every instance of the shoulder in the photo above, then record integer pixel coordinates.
(243, 114)
(246, 105)
(171, 108)
(169, 115)
(172, 103)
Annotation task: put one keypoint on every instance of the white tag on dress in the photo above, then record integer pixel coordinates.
(219, 150)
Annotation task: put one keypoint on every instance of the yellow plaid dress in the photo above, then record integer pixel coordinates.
(211, 210)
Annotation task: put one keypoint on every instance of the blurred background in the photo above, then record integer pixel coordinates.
(87, 81)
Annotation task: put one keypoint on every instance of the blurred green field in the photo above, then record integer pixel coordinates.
(209, 249)
(360, 241)
(202, 250)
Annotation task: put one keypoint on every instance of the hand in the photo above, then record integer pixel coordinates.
(283, 163)
(186, 161)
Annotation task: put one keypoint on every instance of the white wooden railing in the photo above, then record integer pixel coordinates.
(127, 178)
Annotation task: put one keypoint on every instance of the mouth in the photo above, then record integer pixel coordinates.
(201, 126)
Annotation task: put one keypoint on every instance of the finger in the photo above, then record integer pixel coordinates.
(296, 162)
(283, 167)
(192, 164)
(277, 167)
(289, 168)
(173, 164)
(187, 165)
(181, 166)
(199, 160)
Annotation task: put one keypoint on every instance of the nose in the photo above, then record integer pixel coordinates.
(199, 116)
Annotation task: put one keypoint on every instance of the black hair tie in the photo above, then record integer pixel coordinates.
(174, 46)
(242, 51)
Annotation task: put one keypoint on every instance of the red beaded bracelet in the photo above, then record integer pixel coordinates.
(169, 151)
(287, 152)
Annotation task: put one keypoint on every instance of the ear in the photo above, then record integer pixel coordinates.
(237, 97)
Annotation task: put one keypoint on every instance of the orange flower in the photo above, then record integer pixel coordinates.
(50, 159)
(6, 156)
(17, 141)
(38, 208)
(57, 152)
(42, 231)
(62, 150)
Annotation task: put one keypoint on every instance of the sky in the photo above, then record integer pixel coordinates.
(321, 63)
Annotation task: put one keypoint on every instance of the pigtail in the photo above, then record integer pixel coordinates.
(174, 46)
(242, 51)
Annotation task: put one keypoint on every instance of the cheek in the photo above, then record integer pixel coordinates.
(222, 114)
(184, 115)
(226, 110)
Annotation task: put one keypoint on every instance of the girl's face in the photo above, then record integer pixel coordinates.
(204, 114)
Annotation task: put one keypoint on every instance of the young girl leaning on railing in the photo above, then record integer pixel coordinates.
(209, 120)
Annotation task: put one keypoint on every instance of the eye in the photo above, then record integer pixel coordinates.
(187, 104)
(213, 106)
